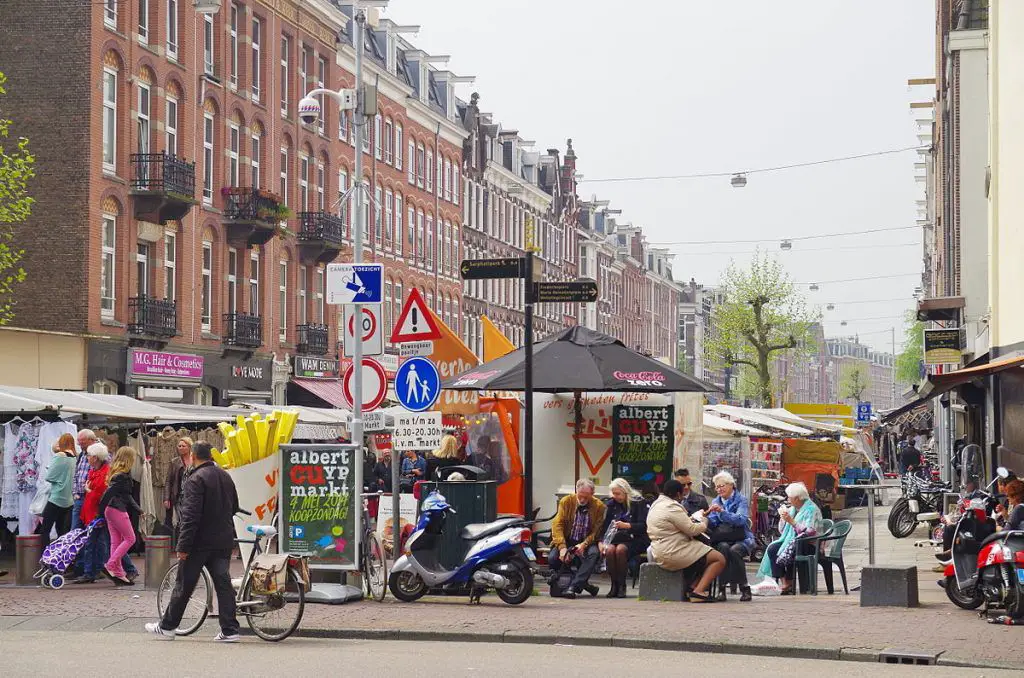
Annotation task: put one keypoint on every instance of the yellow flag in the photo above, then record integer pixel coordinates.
(452, 358)
(496, 344)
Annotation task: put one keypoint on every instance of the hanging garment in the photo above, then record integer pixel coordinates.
(49, 434)
(135, 442)
(25, 463)
(163, 452)
(9, 489)
(147, 500)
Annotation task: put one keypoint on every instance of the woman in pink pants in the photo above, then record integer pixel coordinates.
(117, 501)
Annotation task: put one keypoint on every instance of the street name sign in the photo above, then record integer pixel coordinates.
(481, 269)
(578, 291)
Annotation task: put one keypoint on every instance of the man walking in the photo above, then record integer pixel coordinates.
(206, 534)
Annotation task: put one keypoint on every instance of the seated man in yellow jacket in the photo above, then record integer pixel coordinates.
(574, 537)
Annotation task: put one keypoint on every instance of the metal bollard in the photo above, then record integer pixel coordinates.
(28, 549)
(158, 559)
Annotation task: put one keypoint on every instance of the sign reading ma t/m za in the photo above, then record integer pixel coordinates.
(354, 283)
(417, 431)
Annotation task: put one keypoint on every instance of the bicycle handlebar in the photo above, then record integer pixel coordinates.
(244, 512)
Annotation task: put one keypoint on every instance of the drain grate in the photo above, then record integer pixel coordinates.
(909, 657)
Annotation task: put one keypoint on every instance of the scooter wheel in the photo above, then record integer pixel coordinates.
(969, 599)
(520, 586)
(407, 586)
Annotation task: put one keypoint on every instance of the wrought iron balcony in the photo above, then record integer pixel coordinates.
(163, 186)
(321, 236)
(253, 215)
(312, 339)
(152, 317)
(243, 330)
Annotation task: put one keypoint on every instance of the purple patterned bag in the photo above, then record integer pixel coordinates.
(62, 551)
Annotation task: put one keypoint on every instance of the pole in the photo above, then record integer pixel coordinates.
(528, 388)
(871, 525)
(893, 401)
(357, 258)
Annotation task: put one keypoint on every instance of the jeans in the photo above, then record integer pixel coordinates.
(218, 564)
(122, 538)
(96, 553)
(76, 513)
(585, 566)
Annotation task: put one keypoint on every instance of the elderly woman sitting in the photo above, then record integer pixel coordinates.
(729, 531)
(804, 518)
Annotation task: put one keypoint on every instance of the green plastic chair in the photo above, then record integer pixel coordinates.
(832, 554)
(811, 559)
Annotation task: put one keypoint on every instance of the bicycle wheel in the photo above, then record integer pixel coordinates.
(272, 617)
(198, 606)
(375, 568)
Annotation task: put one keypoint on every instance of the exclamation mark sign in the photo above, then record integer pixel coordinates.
(415, 320)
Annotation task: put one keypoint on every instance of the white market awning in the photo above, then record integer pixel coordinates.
(785, 415)
(721, 424)
(95, 404)
(755, 417)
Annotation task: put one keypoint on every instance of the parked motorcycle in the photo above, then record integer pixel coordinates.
(987, 565)
(500, 558)
(921, 503)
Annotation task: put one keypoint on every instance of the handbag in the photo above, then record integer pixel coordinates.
(726, 533)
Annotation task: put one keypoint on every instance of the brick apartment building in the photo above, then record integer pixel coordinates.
(182, 208)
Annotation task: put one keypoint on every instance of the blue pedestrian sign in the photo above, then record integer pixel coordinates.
(354, 283)
(864, 413)
(417, 384)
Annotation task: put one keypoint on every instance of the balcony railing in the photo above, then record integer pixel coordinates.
(163, 186)
(152, 317)
(321, 226)
(243, 330)
(312, 339)
(253, 205)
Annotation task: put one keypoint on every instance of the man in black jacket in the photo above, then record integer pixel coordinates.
(206, 534)
(693, 501)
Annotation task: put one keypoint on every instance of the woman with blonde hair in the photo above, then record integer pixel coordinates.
(625, 532)
(117, 501)
(444, 456)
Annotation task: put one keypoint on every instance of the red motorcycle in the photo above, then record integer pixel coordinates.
(987, 565)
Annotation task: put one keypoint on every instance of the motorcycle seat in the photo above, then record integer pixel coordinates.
(1005, 534)
(476, 531)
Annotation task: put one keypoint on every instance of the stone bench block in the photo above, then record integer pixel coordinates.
(659, 584)
(888, 586)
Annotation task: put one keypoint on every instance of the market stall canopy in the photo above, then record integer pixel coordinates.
(94, 404)
(755, 417)
(785, 415)
(329, 390)
(13, 404)
(201, 413)
(720, 424)
(578, 359)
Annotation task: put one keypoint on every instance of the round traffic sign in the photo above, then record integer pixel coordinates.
(369, 324)
(417, 384)
(375, 384)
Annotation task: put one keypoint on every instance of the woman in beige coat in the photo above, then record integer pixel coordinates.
(674, 543)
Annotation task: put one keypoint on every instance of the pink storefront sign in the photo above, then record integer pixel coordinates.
(160, 364)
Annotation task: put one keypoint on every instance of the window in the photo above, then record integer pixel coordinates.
(282, 300)
(398, 147)
(388, 308)
(412, 162)
(254, 283)
(420, 170)
(389, 218)
(172, 29)
(321, 181)
(429, 169)
(109, 119)
(110, 13)
(285, 47)
(170, 266)
(412, 234)
(440, 173)
(107, 266)
(455, 182)
(142, 269)
(254, 160)
(366, 140)
(318, 297)
(321, 82)
(343, 128)
(208, 44)
(206, 299)
(421, 254)
(208, 158)
(303, 64)
(232, 279)
(342, 187)
(378, 136)
(398, 223)
(365, 198)
(388, 140)
(256, 28)
(144, 21)
(233, 46)
(398, 298)
(143, 118)
(283, 188)
(204, 396)
(171, 127)
(447, 179)
(235, 135)
(430, 243)
(304, 182)
(378, 216)
(301, 310)
(456, 254)
(446, 251)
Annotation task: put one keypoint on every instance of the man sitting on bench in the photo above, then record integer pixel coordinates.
(574, 535)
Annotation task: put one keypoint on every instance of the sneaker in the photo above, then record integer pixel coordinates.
(226, 638)
(160, 633)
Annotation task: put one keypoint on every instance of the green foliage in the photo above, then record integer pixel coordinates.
(908, 362)
(763, 315)
(16, 169)
(854, 380)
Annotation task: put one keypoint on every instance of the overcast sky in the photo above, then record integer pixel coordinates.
(682, 87)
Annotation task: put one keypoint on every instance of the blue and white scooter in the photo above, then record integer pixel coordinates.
(500, 558)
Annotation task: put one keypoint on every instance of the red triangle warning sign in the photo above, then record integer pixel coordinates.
(415, 322)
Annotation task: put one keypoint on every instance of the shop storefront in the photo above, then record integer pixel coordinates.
(316, 382)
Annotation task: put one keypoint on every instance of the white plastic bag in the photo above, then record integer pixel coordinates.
(39, 501)
(766, 587)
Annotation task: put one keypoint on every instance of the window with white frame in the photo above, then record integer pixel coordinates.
(430, 171)
(254, 161)
(233, 47)
(142, 272)
(232, 280)
(412, 161)
(109, 119)
(388, 140)
(378, 137)
(208, 44)
(254, 283)
(204, 396)
(399, 148)
(342, 187)
(304, 182)
(365, 197)
(172, 29)
(366, 139)
(234, 142)
(108, 256)
(143, 117)
(412, 234)
(421, 254)
(171, 126)
(389, 218)
(455, 182)
(396, 309)
(302, 66)
(388, 303)
(110, 13)
(378, 214)
(285, 51)
(318, 296)
(282, 302)
(447, 179)
(144, 21)
(456, 254)
(343, 129)
(104, 387)
(321, 181)
(206, 294)
(446, 253)
(440, 172)
(208, 129)
(398, 224)
(420, 168)
(283, 187)
(300, 312)
(170, 266)
(321, 82)
(430, 243)
(257, 28)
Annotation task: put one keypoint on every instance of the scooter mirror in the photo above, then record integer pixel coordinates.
(1003, 472)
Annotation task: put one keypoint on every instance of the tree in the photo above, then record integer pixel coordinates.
(16, 169)
(853, 381)
(763, 314)
(908, 362)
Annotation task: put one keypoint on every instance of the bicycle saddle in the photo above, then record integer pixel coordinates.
(262, 530)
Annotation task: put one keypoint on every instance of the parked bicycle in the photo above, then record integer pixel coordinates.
(272, 616)
(373, 565)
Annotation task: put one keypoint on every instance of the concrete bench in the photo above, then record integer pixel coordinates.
(660, 584)
(888, 586)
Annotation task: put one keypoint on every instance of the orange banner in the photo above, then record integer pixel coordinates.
(452, 358)
(496, 344)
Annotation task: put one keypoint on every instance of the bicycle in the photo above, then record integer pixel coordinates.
(373, 565)
(258, 609)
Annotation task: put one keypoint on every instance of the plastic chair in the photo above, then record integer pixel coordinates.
(832, 554)
(811, 559)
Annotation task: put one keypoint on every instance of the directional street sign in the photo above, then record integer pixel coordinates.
(375, 384)
(354, 283)
(415, 323)
(863, 413)
(370, 326)
(580, 291)
(506, 267)
(417, 384)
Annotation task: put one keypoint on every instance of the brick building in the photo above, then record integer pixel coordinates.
(182, 208)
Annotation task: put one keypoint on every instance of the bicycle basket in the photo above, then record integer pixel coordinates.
(269, 573)
(301, 566)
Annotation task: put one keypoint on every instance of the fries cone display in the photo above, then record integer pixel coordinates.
(254, 438)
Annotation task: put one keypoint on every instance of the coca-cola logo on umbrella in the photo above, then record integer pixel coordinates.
(641, 378)
(474, 378)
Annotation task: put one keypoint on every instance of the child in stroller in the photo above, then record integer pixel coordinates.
(60, 555)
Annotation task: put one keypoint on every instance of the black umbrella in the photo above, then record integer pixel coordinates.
(578, 359)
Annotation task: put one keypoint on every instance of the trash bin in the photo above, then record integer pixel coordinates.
(474, 502)
(158, 559)
(28, 549)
